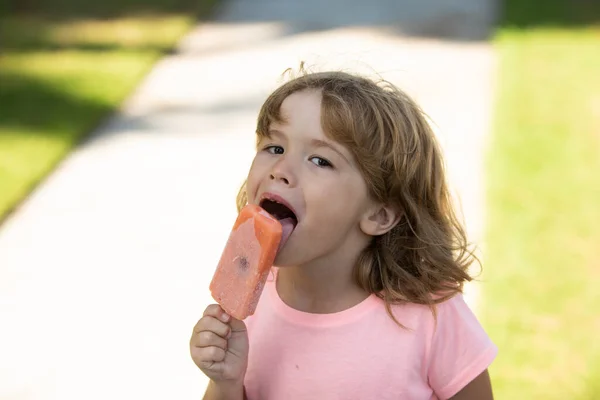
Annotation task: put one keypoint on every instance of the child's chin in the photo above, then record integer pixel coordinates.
(285, 258)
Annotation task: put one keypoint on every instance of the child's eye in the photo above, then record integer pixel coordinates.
(274, 149)
(321, 162)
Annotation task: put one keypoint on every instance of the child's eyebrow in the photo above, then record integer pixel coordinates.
(323, 143)
(276, 133)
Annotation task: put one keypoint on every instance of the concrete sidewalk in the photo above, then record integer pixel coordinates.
(105, 268)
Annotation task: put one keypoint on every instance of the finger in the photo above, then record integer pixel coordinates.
(212, 324)
(216, 367)
(209, 355)
(215, 310)
(208, 339)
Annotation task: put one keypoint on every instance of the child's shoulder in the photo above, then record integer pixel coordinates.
(454, 310)
(453, 324)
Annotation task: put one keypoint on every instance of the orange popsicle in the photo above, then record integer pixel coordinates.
(246, 261)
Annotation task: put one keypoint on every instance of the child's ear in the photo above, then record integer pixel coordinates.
(380, 220)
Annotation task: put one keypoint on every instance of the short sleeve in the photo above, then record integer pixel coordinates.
(460, 348)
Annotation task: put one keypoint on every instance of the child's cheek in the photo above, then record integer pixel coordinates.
(252, 184)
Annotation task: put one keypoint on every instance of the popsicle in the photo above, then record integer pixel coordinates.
(246, 261)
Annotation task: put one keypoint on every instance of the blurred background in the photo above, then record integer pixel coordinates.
(127, 126)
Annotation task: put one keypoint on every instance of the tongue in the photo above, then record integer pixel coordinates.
(287, 227)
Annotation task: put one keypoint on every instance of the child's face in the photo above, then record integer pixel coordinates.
(317, 177)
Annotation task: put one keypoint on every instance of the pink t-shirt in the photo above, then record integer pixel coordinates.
(361, 353)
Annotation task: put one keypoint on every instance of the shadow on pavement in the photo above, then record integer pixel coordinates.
(464, 20)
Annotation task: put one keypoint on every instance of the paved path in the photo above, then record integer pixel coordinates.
(104, 270)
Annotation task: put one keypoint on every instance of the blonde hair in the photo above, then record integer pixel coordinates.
(424, 259)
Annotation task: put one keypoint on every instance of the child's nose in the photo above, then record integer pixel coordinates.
(278, 176)
(284, 171)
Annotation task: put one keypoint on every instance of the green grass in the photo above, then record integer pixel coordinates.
(549, 13)
(542, 273)
(64, 67)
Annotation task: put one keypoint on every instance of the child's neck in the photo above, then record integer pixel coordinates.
(325, 286)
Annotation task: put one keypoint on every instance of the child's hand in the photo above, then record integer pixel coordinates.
(219, 346)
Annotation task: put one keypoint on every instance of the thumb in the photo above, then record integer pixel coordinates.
(237, 325)
(238, 341)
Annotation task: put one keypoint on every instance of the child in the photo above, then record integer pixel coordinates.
(365, 300)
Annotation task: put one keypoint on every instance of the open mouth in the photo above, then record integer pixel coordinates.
(284, 215)
(278, 210)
